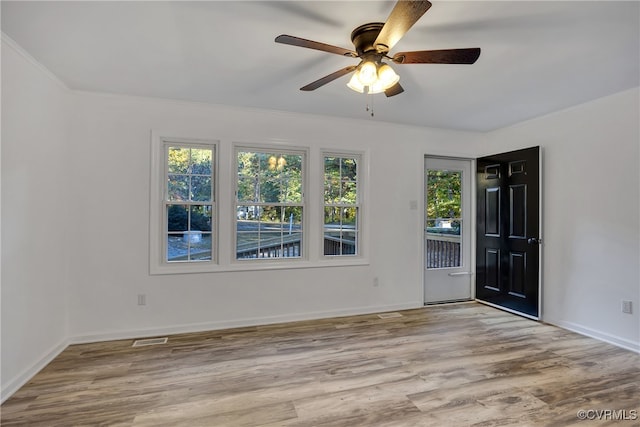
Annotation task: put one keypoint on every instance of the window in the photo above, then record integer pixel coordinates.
(341, 205)
(269, 203)
(189, 202)
(444, 218)
(252, 212)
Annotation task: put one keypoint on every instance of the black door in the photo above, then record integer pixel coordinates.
(508, 251)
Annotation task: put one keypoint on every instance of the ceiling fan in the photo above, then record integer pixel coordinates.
(372, 42)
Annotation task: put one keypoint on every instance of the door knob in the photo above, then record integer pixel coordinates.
(534, 241)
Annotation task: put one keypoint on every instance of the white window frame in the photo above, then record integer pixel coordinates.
(304, 248)
(360, 186)
(158, 263)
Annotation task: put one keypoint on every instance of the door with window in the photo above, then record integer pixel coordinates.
(447, 230)
(508, 231)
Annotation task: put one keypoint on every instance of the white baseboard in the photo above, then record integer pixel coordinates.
(254, 321)
(599, 335)
(25, 376)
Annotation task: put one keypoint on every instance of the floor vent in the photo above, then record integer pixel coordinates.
(389, 315)
(149, 341)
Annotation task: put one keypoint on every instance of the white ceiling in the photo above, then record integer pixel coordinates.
(537, 57)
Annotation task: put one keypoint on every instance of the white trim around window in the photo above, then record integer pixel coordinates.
(270, 207)
(342, 194)
(188, 191)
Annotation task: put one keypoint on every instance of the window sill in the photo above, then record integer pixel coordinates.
(254, 265)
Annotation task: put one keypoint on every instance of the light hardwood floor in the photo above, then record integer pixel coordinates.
(449, 365)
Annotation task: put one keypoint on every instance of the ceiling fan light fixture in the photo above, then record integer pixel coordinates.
(372, 77)
(387, 77)
(354, 83)
(367, 73)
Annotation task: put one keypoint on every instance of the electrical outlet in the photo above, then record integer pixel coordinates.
(142, 299)
(627, 307)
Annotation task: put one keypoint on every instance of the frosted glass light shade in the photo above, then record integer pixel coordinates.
(354, 83)
(387, 77)
(368, 73)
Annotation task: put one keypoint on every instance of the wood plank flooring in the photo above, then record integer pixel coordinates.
(450, 365)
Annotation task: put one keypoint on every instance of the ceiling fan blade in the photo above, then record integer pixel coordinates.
(310, 44)
(394, 90)
(444, 56)
(402, 17)
(327, 79)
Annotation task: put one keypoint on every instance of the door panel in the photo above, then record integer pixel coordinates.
(517, 211)
(508, 253)
(492, 269)
(492, 219)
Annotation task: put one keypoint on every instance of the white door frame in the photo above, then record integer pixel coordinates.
(471, 229)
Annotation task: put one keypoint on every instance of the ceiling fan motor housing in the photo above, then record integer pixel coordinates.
(364, 37)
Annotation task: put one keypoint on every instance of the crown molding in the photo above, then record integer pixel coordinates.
(9, 42)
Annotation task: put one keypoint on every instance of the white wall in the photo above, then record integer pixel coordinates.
(75, 215)
(111, 152)
(591, 218)
(591, 201)
(34, 218)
